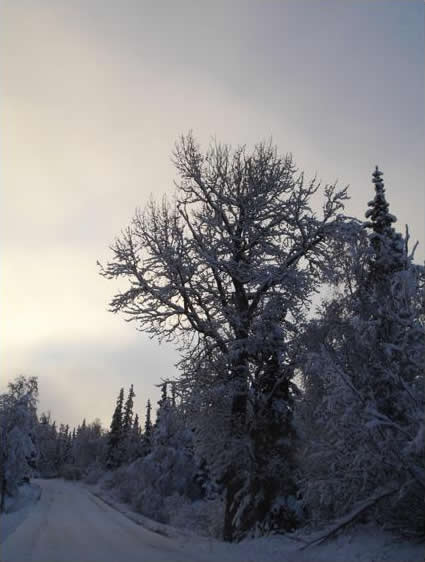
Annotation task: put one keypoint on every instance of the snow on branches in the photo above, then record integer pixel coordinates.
(227, 269)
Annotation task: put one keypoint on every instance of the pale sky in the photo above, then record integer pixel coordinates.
(94, 94)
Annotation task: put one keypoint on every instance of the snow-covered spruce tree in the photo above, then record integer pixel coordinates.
(127, 425)
(127, 421)
(134, 442)
(136, 425)
(236, 254)
(114, 451)
(388, 245)
(147, 434)
(162, 425)
(18, 420)
(363, 407)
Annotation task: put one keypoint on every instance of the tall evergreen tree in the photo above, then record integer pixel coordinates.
(364, 378)
(148, 419)
(173, 395)
(113, 458)
(136, 425)
(147, 435)
(133, 443)
(128, 411)
(388, 245)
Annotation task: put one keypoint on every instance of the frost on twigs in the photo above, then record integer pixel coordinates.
(226, 269)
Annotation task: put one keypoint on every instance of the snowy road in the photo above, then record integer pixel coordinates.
(71, 525)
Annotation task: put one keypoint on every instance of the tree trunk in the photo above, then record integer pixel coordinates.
(232, 479)
(272, 435)
(3, 494)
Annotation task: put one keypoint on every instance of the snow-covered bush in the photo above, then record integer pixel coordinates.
(362, 422)
(204, 517)
(94, 473)
(168, 470)
(148, 481)
(71, 472)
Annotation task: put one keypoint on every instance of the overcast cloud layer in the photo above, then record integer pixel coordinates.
(94, 94)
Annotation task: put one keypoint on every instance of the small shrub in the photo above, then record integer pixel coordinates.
(71, 472)
(94, 474)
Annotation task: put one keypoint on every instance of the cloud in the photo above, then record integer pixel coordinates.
(82, 378)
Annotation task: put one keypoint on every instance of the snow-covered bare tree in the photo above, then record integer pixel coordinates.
(227, 268)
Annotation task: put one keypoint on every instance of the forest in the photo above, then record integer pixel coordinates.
(298, 399)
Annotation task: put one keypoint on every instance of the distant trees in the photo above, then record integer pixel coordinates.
(125, 439)
(227, 270)
(162, 478)
(54, 446)
(89, 445)
(47, 437)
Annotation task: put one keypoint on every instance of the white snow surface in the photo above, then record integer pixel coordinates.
(18, 508)
(70, 524)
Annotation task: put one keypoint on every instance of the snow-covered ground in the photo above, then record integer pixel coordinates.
(18, 508)
(70, 524)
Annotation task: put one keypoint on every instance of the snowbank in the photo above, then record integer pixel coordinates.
(17, 508)
(362, 544)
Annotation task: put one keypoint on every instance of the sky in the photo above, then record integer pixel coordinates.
(94, 95)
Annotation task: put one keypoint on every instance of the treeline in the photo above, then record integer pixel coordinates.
(281, 416)
(60, 451)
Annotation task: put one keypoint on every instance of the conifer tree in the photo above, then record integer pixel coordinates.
(133, 446)
(136, 425)
(128, 411)
(173, 395)
(147, 435)
(164, 395)
(113, 458)
(67, 453)
(148, 420)
(388, 245)
(366, 360)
